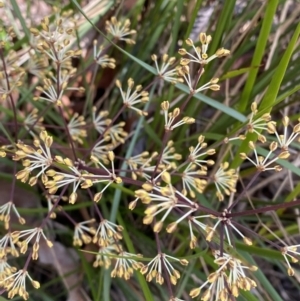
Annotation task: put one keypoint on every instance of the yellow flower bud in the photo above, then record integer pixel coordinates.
(195, 292)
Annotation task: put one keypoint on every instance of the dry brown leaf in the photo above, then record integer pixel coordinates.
(66, 262)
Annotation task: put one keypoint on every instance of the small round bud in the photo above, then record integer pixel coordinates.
(35, 284)
(171, 227)
(111, 156)
(291, 272)
(189, 42)
(97, 197)
(182, 51)
(247, 241)
(195, 292)
(158, 226)
(118, 84)
(165, 105)
(154, 57)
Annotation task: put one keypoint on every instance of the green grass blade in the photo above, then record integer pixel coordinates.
(213, 103)
(219, 106)
(247, 296)
(141, 63)
(270, 97)
(20, 18)
(145, 288)
(278, 76)
(261, 252)
(3, 129)
(116, 202)
(263, 280)
(234, 73)
(176, 25)
(258, 53)
(223, 21)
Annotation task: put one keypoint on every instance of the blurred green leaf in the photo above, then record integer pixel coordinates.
(258, 53)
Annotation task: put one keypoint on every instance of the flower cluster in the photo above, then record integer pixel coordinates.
(154, 269)
(39, 158)
(103, 59)
(15, 283)
(225, 180)
(291, 252)
(164, 199)
(54, 41)
(171, 118)
(76, 128)
(131, 98)
(201, 57)
(182, 188)
(263, 163)
(120, 30)
(227, 280)
(184, 73)
(166, 71)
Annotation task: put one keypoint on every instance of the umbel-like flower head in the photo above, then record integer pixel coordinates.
(120, 30)
(258, 124)
(54, 38)
(131, 98)
(5, 212)
(263, 163)
(165, 71)
(8, 246)
(125, 265)
(201, 55)
(15, 284)
(99, 120)
(286, 139)
(225, 180)
(164, 199)
(106, 233)
(227, 280)
(171, 121)
(154, 269)
(293, 253)
(34, 158)
(81, 233)
(103, 59)
(103, 256)
(54, 88)
(75, 177)
(184, 73)
(34, 236)
(75, 126)
(33, 119)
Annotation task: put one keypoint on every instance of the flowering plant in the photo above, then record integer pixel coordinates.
(140, 179)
